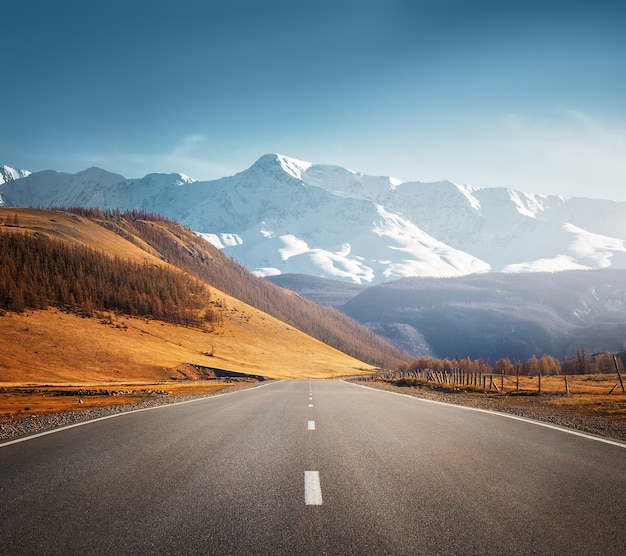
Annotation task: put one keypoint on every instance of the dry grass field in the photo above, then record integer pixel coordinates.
(553, 385)
(588, 394)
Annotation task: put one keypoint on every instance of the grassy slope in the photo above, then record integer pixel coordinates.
(54, 347)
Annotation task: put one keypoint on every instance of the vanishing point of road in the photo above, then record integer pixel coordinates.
(312, 467)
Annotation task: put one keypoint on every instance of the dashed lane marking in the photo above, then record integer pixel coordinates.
(312, 488)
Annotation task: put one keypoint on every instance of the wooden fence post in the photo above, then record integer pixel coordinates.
(566, 386)
(619, 375)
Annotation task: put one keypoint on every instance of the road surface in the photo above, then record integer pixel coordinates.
(312, 467)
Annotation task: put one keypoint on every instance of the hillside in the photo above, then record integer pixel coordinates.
(283, 215)
(59, 344)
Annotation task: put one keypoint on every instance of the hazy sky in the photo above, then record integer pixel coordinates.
(523, 94)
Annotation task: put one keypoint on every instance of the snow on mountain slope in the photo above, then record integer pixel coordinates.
(9, 174)
(346, 183)
(284, 215)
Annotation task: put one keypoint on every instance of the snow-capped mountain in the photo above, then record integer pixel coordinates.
(284, 215)
(9, 174)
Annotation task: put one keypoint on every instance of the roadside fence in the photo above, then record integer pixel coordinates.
(502, 383)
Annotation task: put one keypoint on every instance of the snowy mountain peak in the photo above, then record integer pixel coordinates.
(468, 192)
(334, 179)
(182, 178)
(293, 166)
(8, 174)
(274, 164)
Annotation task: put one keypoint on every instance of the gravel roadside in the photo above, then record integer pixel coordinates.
(40, 423)
(528, 407)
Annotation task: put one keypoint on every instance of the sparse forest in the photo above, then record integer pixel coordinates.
(37, 272)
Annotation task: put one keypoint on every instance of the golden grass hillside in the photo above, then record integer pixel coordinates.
(57, 347)
(52, 347)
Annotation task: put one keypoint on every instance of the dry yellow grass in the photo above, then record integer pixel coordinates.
(57, 350)
(597, 384)
(51, 347)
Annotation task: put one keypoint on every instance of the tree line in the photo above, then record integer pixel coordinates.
(580, 362)
(37, 272)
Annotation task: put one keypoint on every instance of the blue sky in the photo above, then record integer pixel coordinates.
(522, 94)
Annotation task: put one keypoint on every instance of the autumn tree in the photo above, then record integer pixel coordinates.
(504, 366)
(579, 363)
(548, 365)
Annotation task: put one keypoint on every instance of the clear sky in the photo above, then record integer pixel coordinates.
(525, 94)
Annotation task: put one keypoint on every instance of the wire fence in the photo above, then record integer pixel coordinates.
(601, 384)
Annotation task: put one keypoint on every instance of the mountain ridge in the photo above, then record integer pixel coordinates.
(284, 215)
(494, 316)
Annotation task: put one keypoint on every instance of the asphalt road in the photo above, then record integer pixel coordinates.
(320, 467)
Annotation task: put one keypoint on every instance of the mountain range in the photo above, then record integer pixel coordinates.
(284, 215)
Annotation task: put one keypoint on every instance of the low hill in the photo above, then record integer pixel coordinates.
(64, 342)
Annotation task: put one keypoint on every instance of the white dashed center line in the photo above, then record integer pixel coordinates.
(312, 488)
